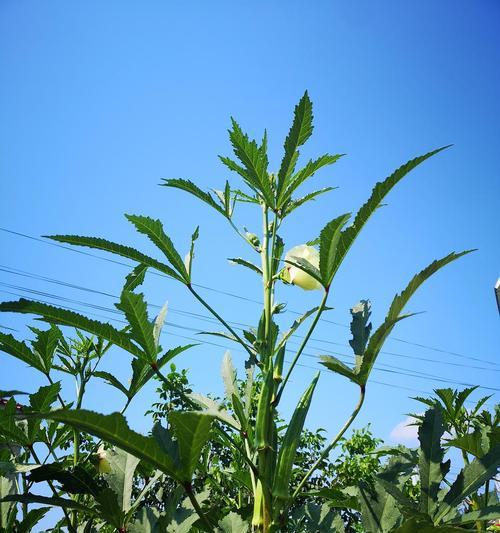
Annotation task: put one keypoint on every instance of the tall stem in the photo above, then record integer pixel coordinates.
(332, 444)
(189, 491)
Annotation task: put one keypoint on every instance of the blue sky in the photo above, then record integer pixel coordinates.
(102, 100)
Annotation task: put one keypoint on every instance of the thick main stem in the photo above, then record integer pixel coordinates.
(333, 443)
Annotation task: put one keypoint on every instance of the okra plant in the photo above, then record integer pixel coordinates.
(247, 423)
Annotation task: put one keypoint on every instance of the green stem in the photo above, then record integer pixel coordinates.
(333, 443)
(221, 320)
(320, 310)
(189, 491)
(54, 491)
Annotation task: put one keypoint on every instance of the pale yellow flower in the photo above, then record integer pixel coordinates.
(103, 465)
(296, 275)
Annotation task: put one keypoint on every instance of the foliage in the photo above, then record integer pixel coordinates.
(232, 464)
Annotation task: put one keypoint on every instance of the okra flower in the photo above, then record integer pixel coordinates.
(296, 275)
(103, 465)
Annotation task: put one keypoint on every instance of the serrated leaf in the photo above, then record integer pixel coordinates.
(254, 160)
(492, 512)
(153, 229)
(111, 380)
(337, 366)
(328, 242)
(431, 454)
(190, 187)
(9, 429)
(135, 278)
(292, 205)
(299, 133)
(135, 310)
(233, 523)
(245, 263)
(142, 371)
(212, 408)
(470, 478)
(379, 512)
(360, 326)
(296, 324)
(10, 345)
(379, 192)
(31, 520)
(118, 249)
(45, 344)
(192, 430)
(121, 477)
(109, 509)
(114, 430)
(311, 167)
(65, 317)
(365, 364)
(53, 502)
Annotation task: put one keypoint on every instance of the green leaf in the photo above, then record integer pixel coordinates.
(365, 364)
(211, 408)
(141, 329)
(44, 500)
(64, 317)
(431, 454)
(360, 327)
(75, 481)
(336, 498)
(254, 160)
(492, 512)
(114, 430)
(296, 324)
(158, 324)
(154, 230)
(233, 523)
(307, 267)
(135, 278)
(31, 520)
(45, 344)
(476, 443)
(10, 430)
(291, 440)
(418, 525)
(262, 423)
(118, 249)
(337, 366)
(18, 349)
(304, 174)
(379, 192)
(245, 263)
(470, 478)
(192, 430)
(329, 239)
(142, 371)
(121, 477)
(41, 401)
(112, 380)
(379, 512)
(190, 187)
(292, 205)
(109, 509)
(299, 133)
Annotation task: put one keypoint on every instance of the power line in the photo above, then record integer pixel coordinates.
(382, 383)
(206, 318)
(218, 291)
(391, 369)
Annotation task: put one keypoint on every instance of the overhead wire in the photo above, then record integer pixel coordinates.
(226, 293)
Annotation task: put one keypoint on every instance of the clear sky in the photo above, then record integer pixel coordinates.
(100, 100)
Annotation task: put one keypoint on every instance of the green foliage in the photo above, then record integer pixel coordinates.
(219, 465)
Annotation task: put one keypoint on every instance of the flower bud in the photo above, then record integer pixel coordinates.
(103, 465)
(296, 275)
